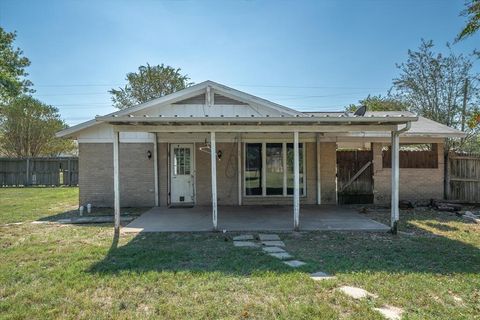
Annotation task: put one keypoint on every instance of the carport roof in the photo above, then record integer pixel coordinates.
(423, 127)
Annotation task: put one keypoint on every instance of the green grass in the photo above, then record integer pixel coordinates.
(26, 204)
(47, 204)
(87, 272)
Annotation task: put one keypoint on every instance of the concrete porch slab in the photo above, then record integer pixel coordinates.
(252, 218)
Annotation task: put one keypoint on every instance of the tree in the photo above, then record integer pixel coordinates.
(438, 87)
(12, 68)
(474, 120)
(472, 12)
(150, 82)
(28, 129)
(379, 103)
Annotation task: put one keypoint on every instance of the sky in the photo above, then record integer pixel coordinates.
(308, 55)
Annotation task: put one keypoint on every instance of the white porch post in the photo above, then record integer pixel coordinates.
(239, 169)
(395, 181)
(319, 185)
(116, 180)
(296, 182)
(155, 168)
(213, 158)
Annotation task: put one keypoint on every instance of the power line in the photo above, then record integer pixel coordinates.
(237, 85)
(289, 96)
(80, 85)
(308, 87)
(72, 94)
(81, 104)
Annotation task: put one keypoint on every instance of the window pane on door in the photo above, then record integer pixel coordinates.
(274, 169)
(253, 169)
(290, 154)
(181, 161)
(187, 161)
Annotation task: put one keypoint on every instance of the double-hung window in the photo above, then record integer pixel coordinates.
(269, 169)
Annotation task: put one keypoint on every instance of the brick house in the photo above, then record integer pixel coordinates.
(213, 145)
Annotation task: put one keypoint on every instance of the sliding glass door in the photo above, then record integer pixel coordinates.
(253, 169)
(274, 171)
(269, 169)
(290, 155)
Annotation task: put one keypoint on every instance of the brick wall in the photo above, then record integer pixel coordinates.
(96, 174)
(418, 185)
(328, 172)
(137, 180)
(163, 173)
(137, 185)
(227, 179)
(95, 169)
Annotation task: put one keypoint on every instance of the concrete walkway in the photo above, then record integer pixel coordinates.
(252, 218)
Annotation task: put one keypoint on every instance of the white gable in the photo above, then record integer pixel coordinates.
(206, 99)
(220, 104)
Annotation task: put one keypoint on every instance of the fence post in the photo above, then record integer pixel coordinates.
(27, 178)
(446, 159)
(69, 175)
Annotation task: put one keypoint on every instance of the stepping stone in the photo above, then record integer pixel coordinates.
(317, 276)
(269, 237)
(281, 255)
(390, 313)
(273, 243)
(249, 244)
(243, 237)
(356, 293)
(294, 263)
(273, 249)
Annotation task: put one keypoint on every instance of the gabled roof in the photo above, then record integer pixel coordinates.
(184, 94)
(280, 114)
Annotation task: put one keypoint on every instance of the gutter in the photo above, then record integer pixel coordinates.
(407, 127)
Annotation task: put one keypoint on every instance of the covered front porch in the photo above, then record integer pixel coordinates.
(253, 218)
(268, 144)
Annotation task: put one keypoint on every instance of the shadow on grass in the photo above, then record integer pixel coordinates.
(96, 212)
(197, 252)
(333, 252)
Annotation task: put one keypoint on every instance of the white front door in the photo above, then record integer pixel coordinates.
(182, 174)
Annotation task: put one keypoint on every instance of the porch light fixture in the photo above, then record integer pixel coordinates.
(149, 154)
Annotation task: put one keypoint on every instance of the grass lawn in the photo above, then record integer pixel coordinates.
(26, 204)
(29, 204)
(73, 271)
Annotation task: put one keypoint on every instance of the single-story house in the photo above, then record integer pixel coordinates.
(210, 144)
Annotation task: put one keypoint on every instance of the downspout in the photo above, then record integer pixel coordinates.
(395, 213)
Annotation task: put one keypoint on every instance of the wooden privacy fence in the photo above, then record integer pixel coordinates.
(38, 172)
(464, 177)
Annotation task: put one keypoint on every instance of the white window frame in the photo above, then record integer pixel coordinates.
(264, 170)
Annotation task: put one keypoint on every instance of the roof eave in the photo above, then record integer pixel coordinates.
(256, 120)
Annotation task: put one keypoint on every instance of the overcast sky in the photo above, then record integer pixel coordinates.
(309, 55)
